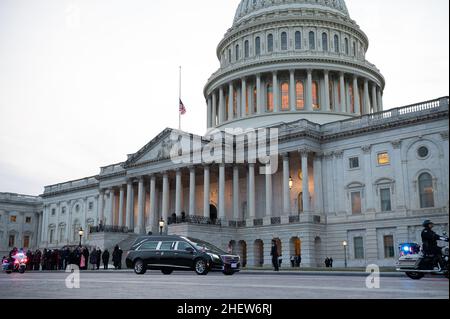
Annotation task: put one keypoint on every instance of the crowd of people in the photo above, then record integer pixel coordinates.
(329, 262)
(59, 259)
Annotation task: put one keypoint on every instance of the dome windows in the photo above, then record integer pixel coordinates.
(258, 46)
(285, 96)
(312, 40)
(269, 97)
(236, 52)
(298, 40)
(347, 50)
(423, 152)
(284, 41)
(300, 95)
(336, 44)
(315, 95)
(270, 43)
(246, 49)
(325, 42)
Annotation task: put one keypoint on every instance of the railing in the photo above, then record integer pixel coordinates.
(108, 229)
(195, 220)
(275, 221)
(112, 169)
(18, 197)
(258, 222)
(73, 184)
(294, 219)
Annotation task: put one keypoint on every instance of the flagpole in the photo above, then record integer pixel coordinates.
(179, 101)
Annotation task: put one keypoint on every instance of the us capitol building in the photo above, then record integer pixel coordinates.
(348, 171)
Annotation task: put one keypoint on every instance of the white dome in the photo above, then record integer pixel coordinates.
(251, 8)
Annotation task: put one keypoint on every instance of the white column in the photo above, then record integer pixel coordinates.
(286, 188)
(304, 156)
(230, 102)
(221, 106)
(374, 98)
(268, 192)
(44, 225)
(251, 191)
(121, 199)
(276, 89)
(110, 219)
(309, 101)
(130, 203)
(192, 191)
(100, 205)
(326, 75)
(358, 107)
(236, 193)
(141, 205)
(292, 91)
(209, 112)
(244, 98)
(153, 218)
(178, 192)
(206, 192)
(318, 191)
(343, 108)
(380, 100)
(366, 97)
(165, 199)
(214, 109)
(222, 213)
(258, 94)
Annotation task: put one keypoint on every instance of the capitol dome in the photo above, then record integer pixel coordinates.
(286, 60)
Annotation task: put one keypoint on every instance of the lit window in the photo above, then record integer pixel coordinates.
(325, 42)
(270, 97)
(247, 110)
(354, 162)
(356, 203)
(315, 95)
(235, 100)
(384, 159)
(426, 191)
(270, 43)
(285, 96)
(358, 243)
(13, 219)
(11, 240)
(300, 95)
(312, 40)
(28, 220)
(389, 251)
(258, 46)
(298, 40)
(386, 205)
(255, 101)
(284, 41)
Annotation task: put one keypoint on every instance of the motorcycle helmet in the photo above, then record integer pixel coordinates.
(427, 223)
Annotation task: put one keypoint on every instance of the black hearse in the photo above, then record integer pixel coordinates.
(177, 253)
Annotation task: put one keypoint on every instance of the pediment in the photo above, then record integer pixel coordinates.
(158, 149)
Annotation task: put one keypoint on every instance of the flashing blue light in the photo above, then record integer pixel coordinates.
(406, 248)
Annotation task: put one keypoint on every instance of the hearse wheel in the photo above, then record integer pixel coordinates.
(167, 271)
(201, 267)
(415, 275)
(139, 267)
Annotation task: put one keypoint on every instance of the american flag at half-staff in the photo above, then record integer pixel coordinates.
(182, 108)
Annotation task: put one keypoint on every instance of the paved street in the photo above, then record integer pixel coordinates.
(154, 285)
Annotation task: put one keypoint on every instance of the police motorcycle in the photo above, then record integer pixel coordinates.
(416, 264)
(17, 264)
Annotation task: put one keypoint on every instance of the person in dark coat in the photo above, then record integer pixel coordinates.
(331, 262)
(37, 260)
(105, 259)
(29, 255)
(86, 257)
(274, 254)
(65, 256)
(99, 257)
(117, 257)
(93, 259)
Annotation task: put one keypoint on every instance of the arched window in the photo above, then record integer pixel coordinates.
(300, 95)
(298, 40)
(354, 49)
(235, 105)
(315, 95)
(255, 100)
(284, 41)
(285, 96)
(229, 55)
(269, 97)
(325, 42)
(270, 43)
(336, 43)
(246, 49)
(247, 109)
(426, 191)
(346, 47)
(258, 46)
(312, 40)
(237, 52)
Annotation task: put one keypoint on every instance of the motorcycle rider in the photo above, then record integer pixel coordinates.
(430, 239)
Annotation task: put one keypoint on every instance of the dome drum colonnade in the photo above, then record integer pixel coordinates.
(295, 61)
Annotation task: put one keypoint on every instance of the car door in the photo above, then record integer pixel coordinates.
(166, 253)
(183, 257)
(147, 252)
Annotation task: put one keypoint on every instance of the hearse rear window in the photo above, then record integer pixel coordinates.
(167, 245)
(150, 245)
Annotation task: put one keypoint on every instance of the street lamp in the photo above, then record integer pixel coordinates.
(345, 244)
(291, 182)
(161, 226)
(81, 233)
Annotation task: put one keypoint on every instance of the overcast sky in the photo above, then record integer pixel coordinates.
(83, 83)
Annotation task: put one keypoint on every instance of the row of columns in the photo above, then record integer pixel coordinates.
(154, 216)
(338, 100)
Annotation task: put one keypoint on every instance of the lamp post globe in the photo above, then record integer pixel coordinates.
(81, 233)
(161, 226)
(345, 244)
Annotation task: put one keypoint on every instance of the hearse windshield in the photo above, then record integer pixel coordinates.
(204, 246)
